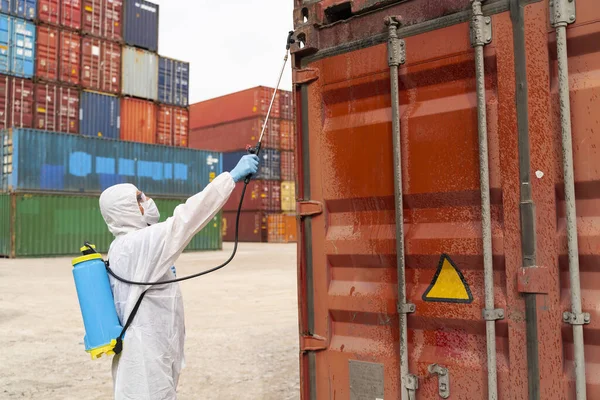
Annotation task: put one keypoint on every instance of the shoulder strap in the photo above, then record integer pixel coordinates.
(119, 346)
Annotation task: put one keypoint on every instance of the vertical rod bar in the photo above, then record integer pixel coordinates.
(567, 153)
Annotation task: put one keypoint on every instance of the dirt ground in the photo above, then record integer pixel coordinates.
(241, 324)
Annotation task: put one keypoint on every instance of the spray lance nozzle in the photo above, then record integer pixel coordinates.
(290, 40)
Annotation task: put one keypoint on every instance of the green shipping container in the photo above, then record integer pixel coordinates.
(54, 225)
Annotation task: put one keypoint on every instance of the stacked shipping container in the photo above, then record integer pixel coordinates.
(80, 72)
(231, 123)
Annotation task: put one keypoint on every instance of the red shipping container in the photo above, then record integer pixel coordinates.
(260, 196)
(101, 65)
(252, 227)
(16, 102)
(173, 126)
(288, 166)
(103, 18)
(70, 57)
(286, 105)
(288, 137)
(138, 120)
(236, 135)
(70, 14)
(232, 107)
(282, 228)
(47, 53)
(56, 108)
(49, 11)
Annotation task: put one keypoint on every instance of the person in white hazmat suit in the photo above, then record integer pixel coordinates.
(144, 250)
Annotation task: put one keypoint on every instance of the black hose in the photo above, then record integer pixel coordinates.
(185, 278)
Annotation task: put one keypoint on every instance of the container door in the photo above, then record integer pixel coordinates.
(5, 33)
(22, 48)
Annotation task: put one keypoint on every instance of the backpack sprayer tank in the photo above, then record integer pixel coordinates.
(102, 326)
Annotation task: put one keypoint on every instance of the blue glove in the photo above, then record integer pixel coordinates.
(248, 165)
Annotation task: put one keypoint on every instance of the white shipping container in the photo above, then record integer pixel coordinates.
(140, 73)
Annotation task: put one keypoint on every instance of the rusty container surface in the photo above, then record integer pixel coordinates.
(252, 227)
(236, 135)
(232, 107)
(260, 196)
(70, 58)
(347, 258)
(172, 126)
(138, 120)
(56, 108)
(288, 166)
(16, 102)
(287, 133)
(103, 19)
(286, 105)
(47, 53)
(100, 65)
(282, 228)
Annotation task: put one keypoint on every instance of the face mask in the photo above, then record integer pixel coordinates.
(151, 213)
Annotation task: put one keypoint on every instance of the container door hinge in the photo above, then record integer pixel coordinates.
(309, 208)
(406, 308)
(313, 343)
(576, 319)
(396, 46)
(492, 315)
(562, 12)
(411, 383)
(481, 27)
(305, 75)
(443, 379)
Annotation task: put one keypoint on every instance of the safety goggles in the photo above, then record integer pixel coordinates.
(141, 197)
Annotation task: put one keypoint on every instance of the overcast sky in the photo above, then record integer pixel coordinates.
(232, 44)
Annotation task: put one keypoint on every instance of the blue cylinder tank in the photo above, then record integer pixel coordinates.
(102, 326)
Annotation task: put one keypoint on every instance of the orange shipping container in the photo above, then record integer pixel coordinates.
(282, 228)
(232, 107)
(173, 126)
(138, 120)
(288, 138)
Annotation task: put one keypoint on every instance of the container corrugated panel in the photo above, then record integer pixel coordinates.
(24, 8)
(20, 102)
(5, 236)
(288, 196)
(173, 82)
(172, 126)
(138, 120)
(49, 11)
(141, 24)
(22, 48)
(237, 135)
(100, 115)
(252, 227)
(5, 6)
(260, 196)
(47, 53)
(286, 105)
(70, 14)
(56, 108)
(232, 107)
(70, 58)
(282, 228)
(52, 225)
(5, 48)
(47, 161)
(103, 18)
(140, 73)
(269, 168)
(288, 137)
(288, 166)
(101, 65)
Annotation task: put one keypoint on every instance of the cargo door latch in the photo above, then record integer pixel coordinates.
(309, 208)
(443, 379)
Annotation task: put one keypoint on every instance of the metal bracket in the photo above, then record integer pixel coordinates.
(396, 46)
(411, 382)
(493, 315)
(443, 379)
(576, 319)
(313, 343)
(305, 75)
(562, 12)
(481, 27)
(406, 308)
(309, 208)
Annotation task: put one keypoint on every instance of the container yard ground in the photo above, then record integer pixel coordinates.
(241, 324)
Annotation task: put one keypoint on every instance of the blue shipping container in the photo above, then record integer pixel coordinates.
(24, 8)
(17, 46)
(270, 163)
(173, 82)
(99, 115)
(5, 29)
(5, 6)
(141, 24)
(49, 161)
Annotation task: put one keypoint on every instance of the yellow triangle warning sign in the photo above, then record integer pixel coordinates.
(448, 284)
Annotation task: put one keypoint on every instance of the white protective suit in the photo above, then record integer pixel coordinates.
(152, 357)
